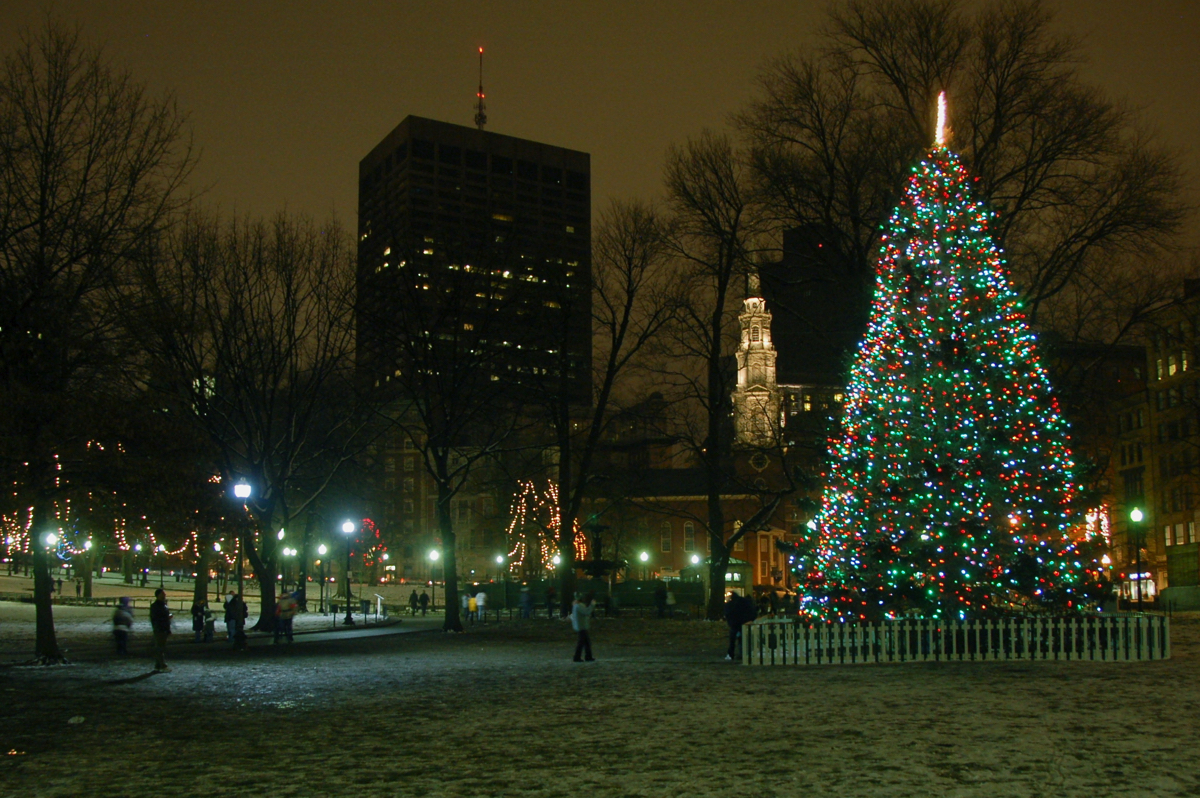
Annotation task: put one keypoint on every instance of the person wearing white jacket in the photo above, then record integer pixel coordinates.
(581, 621)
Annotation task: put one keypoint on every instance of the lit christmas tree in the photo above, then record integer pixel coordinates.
(950, 491)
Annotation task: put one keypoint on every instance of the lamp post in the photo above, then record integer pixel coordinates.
(160, 550)
(1137, 532)
(645, 558)
(503, 578)
(347, 530)
(242, 491)
(321, 550)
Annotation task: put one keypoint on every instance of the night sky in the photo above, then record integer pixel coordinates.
(285, 98)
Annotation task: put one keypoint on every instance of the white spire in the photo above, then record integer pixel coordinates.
(940, 136)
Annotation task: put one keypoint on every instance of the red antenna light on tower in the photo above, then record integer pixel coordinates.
(480, 116)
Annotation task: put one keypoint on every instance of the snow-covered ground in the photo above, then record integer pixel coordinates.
(502, 710)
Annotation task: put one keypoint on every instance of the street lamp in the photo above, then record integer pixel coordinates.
(321, 550)
(1137, 533)
(433, 558)
(503, 578)
(645, 558)
(242, 491)
(161, 548)
(347, 530)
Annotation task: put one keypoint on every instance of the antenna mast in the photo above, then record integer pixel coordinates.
(480, 116)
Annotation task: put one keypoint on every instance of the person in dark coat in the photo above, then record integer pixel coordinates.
(198, 608)
(739, 610)
(660, 600)
(424, 598)
(550, 595)
(160, 623)
(413, 602)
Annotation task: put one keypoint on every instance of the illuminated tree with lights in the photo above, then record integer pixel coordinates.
(950, 490)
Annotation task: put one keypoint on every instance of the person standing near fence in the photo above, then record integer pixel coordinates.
(472, 607)
(581, 621)
(424, 603)
(550, 595)
(160, 623)
(738, 611)
(413, 603)
(123, 624)
(481, 605)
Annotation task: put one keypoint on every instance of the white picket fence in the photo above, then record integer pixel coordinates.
(1116, 638)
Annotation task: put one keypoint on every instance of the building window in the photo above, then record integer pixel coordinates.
(1170, 365)
(755, 335)
(1167, 534)
(665, 537)
(740, 545)
(1191, 531)
(408, 464)
(408, 507)
(408, 485)
(1183, 360)
(689, 536)
(389, 465)
(409, 445)
(1179, 534)
(1158, 368)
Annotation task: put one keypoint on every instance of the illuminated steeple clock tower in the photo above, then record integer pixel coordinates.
(757, 401)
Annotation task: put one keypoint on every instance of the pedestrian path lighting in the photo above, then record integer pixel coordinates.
(51, 539)
(645, 558)
(1137, 534)
(322, 550)
(348, 530)
(695, 559)
(434, 556)
(242, 491)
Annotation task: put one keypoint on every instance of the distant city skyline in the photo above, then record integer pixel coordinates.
(285, 99)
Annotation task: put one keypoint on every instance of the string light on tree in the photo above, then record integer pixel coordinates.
(950, 491)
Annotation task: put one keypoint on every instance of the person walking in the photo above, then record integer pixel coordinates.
(466, 600)
(739, 610)
(481, 605)
(550, 595)
(660, 600)
(581, 621)
(526, 602)
(198, 608)
(160, 623)
(424, 603)
(472, 608)
(670, 603)
(230, 620)
(285, 611)
(78, 588)
(413, 603)
(123, 624)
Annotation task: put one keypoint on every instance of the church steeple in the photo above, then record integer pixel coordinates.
(757, 400)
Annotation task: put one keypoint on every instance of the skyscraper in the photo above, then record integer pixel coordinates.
(464, 232)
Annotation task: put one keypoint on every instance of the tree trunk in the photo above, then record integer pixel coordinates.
(718, 557)
(264, 573)
(88, 573)
(453, 621)
(46, 647)
(200, 589)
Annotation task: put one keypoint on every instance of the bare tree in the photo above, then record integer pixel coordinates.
(90, 167)
(1080, 190)
(249, 328)
(630, 305)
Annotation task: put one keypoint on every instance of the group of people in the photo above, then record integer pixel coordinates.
(419, 602)
(203, 622)
(474, 606)
(739, 610)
